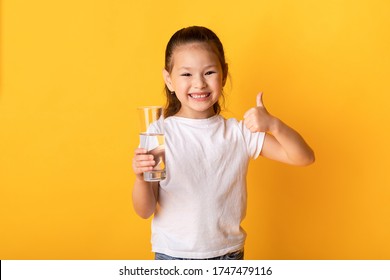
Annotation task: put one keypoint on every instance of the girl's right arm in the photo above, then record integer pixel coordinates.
(145, 194)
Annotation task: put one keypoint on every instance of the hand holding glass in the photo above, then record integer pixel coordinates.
(152, 139)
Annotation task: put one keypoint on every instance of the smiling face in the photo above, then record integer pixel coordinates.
(196, 78)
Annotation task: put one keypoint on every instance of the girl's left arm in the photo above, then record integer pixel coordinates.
(281, 143)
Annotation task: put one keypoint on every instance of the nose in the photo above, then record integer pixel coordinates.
(199, 82)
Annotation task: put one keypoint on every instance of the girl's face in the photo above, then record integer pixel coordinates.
(196, 78)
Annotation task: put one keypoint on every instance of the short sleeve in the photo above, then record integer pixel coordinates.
(254, 140)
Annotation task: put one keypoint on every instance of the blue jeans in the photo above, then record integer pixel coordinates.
(237, 255)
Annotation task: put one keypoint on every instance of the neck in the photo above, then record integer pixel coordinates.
(197, 115)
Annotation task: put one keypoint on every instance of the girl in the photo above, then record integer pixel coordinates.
(199, 207)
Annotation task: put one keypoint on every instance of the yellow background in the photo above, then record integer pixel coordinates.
(73, 72)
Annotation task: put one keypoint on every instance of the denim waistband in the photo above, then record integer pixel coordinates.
(236, 255)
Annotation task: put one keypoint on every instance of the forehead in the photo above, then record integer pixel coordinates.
(194, 46)
(194, 51)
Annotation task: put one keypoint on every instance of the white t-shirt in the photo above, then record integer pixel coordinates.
(203, 199)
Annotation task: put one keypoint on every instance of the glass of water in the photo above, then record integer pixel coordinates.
(152, 139)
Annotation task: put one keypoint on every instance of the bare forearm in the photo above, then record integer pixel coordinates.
(145, 197)
(297, 151)
(282, 143)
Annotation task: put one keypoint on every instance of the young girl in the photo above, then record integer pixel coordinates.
(199, 207)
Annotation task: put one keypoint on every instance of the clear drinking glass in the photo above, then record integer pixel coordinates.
(152, 139)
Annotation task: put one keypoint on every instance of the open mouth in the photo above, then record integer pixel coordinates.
(199, 95)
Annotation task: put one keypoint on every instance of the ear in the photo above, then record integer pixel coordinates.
(167, 79)
(225, 74)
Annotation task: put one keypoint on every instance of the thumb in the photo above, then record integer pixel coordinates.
(259, 100)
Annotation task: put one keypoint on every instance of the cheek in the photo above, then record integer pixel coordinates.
(182, 86)
(217, 83)
(179, 89)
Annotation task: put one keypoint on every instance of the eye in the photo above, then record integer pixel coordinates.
(185, 74)
(210, 72)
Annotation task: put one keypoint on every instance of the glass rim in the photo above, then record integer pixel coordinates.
(149, 107)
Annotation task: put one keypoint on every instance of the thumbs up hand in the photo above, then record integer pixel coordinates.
(257, 119)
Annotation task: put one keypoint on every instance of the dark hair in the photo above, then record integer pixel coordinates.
(193, 34)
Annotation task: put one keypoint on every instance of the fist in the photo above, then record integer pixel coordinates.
(142, 162)
(257, 119)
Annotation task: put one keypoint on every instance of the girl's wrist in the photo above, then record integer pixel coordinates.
(139, 177)
(275, 125)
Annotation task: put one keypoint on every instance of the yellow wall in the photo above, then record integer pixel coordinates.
(73, 72)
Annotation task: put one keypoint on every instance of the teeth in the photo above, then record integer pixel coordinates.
(199, 96)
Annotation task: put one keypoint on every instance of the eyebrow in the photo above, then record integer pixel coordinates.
(189, 68)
